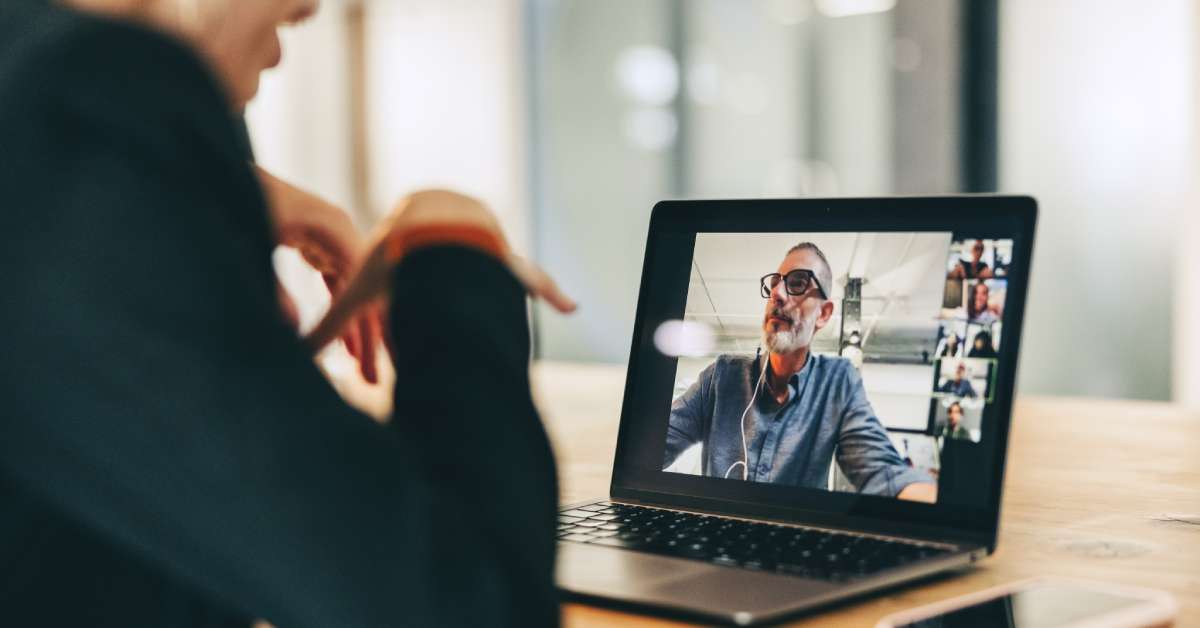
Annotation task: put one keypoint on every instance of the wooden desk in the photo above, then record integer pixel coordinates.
(1094, 489)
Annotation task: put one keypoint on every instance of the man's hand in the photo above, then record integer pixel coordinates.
(919, 492)
(368, 288)
(328, 241)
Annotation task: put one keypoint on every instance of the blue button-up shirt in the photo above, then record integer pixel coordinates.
(826, 414)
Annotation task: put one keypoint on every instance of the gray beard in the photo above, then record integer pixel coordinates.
(786, 341)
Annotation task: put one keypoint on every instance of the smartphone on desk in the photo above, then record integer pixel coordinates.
(1044, 603)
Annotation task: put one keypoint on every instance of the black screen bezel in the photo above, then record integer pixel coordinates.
(673, 226)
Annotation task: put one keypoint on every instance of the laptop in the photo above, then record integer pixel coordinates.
(817, 405)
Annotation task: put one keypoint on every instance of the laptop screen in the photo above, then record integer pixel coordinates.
(834, 361)
(846, 361)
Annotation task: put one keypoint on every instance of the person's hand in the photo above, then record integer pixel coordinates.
(368, 288)
(326, 239)
(919, 492)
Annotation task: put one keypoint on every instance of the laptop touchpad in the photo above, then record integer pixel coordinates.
(586, 569)
(721, 591)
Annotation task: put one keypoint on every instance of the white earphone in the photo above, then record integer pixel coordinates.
(754, 395)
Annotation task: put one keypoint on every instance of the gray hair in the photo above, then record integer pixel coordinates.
(824, 273)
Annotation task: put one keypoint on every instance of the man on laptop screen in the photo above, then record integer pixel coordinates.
(796, 410)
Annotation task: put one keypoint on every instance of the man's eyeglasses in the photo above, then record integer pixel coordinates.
(796, 283)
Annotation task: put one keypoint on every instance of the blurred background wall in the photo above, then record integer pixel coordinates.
(1097, 109)
(573, 117)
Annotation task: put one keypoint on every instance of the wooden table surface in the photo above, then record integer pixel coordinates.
(1106, 490)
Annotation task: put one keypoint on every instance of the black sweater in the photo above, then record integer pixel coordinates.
(169, 454)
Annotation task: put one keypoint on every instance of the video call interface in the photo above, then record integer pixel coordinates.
(844, 362)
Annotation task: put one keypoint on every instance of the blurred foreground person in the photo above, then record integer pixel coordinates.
(169, 453)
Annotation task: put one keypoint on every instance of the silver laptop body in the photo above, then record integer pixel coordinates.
(929, 256)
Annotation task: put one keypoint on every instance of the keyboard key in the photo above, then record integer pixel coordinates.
(592, 507)
(569, 519)
(582, 514)
(605, 517)
(588, 523)
(793, 569)
(581, 538)
(725, 560)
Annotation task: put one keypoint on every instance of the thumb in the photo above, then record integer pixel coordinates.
(540, 284)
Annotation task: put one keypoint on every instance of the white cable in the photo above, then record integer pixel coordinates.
(745, 451)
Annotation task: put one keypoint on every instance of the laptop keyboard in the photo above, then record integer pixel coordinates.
(807, 552)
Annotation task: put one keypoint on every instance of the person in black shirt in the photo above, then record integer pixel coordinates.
(982, 346)
(950, 347)
(171, 456)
